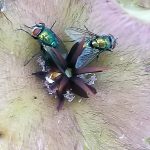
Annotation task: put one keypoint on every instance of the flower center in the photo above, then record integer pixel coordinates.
(68, 72)
(52, 76)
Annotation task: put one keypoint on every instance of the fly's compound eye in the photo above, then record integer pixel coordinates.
(113, 45)
(36, 31)
(113, 41)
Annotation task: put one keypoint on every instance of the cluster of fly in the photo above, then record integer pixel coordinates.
(67, 74)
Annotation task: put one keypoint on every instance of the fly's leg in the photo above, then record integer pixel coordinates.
(6, 17)
(25, 32)
(90, 33)
(28, 26)
(53, 25)
(26, 62)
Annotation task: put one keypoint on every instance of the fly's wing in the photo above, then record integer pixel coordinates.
(87, 56)
(61, 47)
(77, 34)
(53, 57)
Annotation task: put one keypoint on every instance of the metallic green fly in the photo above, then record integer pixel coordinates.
(93, 46)
(48, 39)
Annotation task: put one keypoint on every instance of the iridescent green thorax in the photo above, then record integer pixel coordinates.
(47, 37)
(101, 43)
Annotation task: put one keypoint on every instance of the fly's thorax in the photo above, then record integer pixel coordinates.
(99, 43)
(47, 37)
(102, 43)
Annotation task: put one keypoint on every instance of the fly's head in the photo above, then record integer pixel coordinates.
(37, 29)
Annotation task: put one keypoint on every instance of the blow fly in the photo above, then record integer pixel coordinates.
(94, 44)
(48, 39)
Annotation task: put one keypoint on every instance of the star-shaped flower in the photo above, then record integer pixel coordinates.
(64, 76)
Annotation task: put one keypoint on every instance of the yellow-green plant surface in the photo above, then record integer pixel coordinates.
(117, 118)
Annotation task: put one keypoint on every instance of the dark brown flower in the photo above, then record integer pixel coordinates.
(67, 75)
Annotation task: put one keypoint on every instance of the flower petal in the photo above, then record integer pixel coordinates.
(75, 53)
(60, 100)
(92, 89)
(61, 90)
(72, 52)
(40, 74)
(60, 57)
(63, 84)
(57, 82)
(80, 88)
(89, 70)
